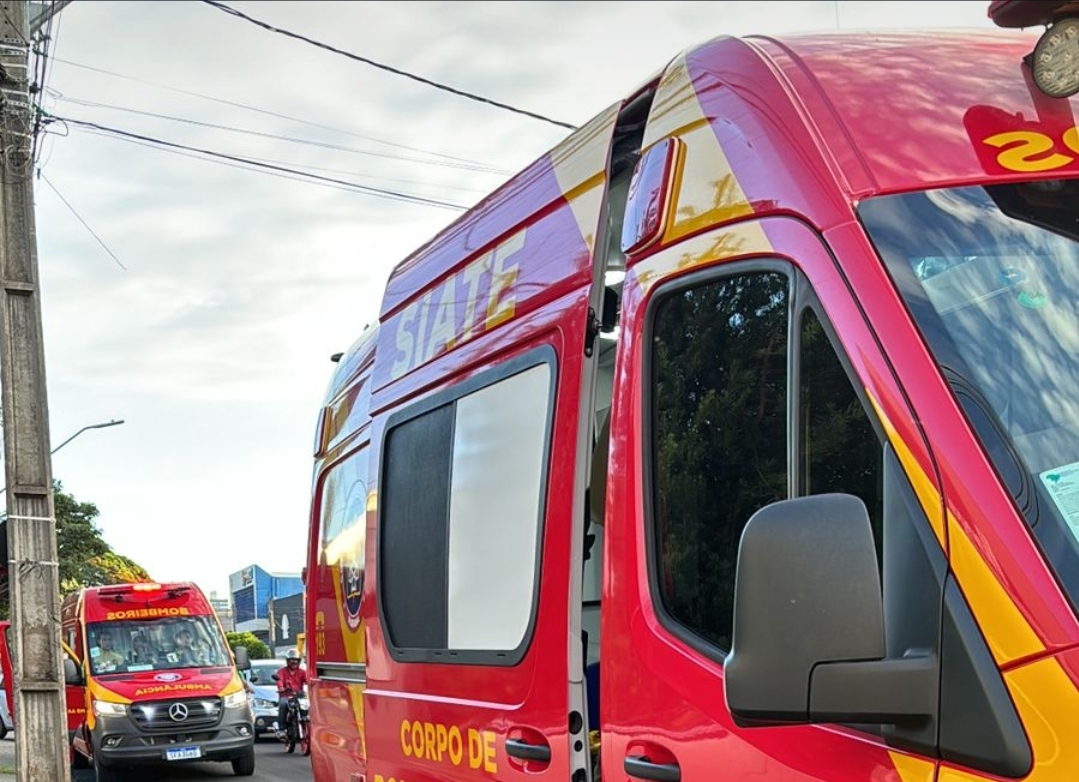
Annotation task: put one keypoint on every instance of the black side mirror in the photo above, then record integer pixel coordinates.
(243, 659)
(807, 570)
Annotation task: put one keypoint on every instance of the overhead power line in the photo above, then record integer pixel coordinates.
(389, 68)
(373, 191)
(85, 224)
(269, 113)
(440, 161)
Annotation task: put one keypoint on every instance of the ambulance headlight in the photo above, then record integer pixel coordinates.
(236, 700)
(109, 709)
(1054, 64)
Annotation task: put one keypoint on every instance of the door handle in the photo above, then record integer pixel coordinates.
(641, 767)
(518, 748)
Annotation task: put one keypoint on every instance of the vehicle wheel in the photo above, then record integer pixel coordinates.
(305, 741)
(244, 766)
(105, 773)
(3, 730)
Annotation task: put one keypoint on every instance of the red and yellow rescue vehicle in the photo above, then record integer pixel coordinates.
(151, 680)
(735, 438)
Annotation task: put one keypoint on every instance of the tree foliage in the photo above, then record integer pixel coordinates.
(83, 556)
(113, 568)
(256, 649)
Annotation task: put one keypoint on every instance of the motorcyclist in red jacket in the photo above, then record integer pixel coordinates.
(291, 680)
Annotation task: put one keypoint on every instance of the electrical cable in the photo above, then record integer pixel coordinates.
(374, 191)
(85, 224)
(470, 166)
(300, 177)
(266, 112)
(389, 68)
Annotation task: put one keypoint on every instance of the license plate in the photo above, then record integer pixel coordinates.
(183, 753)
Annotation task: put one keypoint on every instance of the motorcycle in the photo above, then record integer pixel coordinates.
(297, 728)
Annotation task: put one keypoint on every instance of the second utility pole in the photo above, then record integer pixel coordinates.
(41, 749)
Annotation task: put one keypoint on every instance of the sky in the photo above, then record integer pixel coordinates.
(199, 300)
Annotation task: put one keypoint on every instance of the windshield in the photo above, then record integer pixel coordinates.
(991, 276)
(133, 645)
(262, 673)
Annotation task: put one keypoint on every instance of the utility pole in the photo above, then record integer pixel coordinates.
(41, 750)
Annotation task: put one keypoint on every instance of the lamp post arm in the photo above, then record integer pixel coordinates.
(68, 440)
(91, 426)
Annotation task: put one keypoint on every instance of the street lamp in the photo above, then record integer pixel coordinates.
(68, 440)
(91, 426)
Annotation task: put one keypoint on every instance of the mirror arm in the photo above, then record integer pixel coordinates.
(896, 691)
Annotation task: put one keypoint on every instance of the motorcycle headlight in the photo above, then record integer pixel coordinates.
(304, 703)
(236, 700)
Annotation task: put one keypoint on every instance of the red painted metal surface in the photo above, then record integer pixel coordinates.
(787, 135)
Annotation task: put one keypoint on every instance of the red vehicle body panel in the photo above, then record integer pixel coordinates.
(779, 140)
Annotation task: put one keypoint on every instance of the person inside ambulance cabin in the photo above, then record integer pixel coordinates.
(104, 656)
(188, 650)
(140, 652)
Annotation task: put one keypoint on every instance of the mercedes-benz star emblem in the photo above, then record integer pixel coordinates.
(178, 712)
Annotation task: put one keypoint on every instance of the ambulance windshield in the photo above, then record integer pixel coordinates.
(154, 644)
(991, 277)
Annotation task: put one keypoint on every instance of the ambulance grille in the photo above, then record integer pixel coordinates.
(175, 715)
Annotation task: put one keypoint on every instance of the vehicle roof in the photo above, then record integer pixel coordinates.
(883, 110)
(164, 586)
(895, 109)
(854, 113)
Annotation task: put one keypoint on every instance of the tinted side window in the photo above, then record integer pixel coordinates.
(838, 449)
(719, 373)
(462, 490)
(723, 429)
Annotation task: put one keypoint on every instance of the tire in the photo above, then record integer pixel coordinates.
(244, 766)
(290, 737)
(3, 730)
(106, 773)
(305, 740)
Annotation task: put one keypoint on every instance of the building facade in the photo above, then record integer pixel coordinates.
(252, 590)
(223, 608)
(286, 623)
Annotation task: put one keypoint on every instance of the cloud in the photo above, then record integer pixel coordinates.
(214, 343)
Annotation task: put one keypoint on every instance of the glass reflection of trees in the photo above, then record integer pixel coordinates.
(719, 383)
(720, 417)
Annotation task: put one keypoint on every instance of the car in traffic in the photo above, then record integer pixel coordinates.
(263, 692)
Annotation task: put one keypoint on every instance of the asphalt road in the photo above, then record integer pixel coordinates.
(273, 764)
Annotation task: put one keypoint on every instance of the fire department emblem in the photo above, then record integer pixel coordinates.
(352, 592)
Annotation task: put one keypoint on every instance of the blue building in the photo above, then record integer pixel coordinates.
(252, 590)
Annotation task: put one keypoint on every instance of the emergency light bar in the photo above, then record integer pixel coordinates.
(1054, 63)
(123, 592)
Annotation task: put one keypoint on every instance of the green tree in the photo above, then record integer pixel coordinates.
(256, 649)
(113, 568)
(78, 540)
(83, 556)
